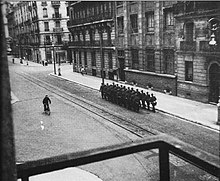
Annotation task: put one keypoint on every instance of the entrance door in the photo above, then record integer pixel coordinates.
(214, 82)
(121, 69)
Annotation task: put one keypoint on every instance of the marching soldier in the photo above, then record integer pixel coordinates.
(102, 90)
(143, 99)
(147, 99)
(153, 102)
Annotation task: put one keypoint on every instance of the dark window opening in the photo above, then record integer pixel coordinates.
(188, 71)
(134, 57)
(150, 21)
(150, 61)
(168, 62)
(134, 23)
(120, 25)
(93, 55)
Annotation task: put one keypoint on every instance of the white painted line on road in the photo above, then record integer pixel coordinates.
(42, 125)
(14, 99)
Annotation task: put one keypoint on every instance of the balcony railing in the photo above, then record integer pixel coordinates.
(165, 144)
(55, 3)
(205, 47)
(47, 43)
(56, 16)
(188, 46)
(103, 16)
(57, 29)
(106, 43)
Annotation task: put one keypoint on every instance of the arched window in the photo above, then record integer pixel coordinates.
(45, 15)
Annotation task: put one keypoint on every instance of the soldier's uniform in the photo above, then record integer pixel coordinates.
(101, 90)
(143, 99)
(147, 99)
(153, 102)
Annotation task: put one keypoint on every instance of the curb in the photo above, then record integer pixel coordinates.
(160, 110)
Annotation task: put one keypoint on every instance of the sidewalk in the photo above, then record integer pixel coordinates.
(200, 113)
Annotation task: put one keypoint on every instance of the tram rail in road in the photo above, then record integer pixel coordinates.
(102, 112)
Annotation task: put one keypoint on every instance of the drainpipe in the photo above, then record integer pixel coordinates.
(218, 107)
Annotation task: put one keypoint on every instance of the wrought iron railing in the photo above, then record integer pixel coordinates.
(205, 47)
(187, 46)
(165, 144)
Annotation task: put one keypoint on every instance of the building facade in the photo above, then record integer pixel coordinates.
(92, 37)
(145, 43)
(40, 27)
(198, 50)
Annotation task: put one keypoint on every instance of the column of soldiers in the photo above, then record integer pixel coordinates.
(127, 97)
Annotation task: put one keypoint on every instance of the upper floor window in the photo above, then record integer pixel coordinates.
(47, 39)
(57, 24)
(189, 31)
(120, 24)
(59, 39)
(45, 15)
(43, 3)
(56, 10)
(118, 3)
(169, 20)
(150, 21)
(46, 26)
(134, 23)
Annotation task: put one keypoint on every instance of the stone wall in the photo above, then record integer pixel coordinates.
(158, 81)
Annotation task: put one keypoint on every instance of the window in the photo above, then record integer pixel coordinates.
(74, 56)
(80, 58)
(59, 39)
(93, 58)
(168, 62)
(119, 3)
(169, 21)
(188, 71)
(110, 60)
(44, 3)
(134, 57)
(92, 36)
(189, 32)
(56, 12)
(134, 25)
(150, 61)
(46, 26)
(47, 39)
(85, 58)
(121, 53)
(57, 24)
(120, 25)
(150, 21)
(45, 15)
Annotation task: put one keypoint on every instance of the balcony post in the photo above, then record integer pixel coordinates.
(164, 165)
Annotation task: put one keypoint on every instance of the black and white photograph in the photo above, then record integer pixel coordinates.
(110, 90)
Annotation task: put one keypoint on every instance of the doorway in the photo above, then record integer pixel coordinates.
(214, 82)
(121, 69)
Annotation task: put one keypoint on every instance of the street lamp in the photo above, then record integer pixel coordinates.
(54, 63)
(213, 43)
